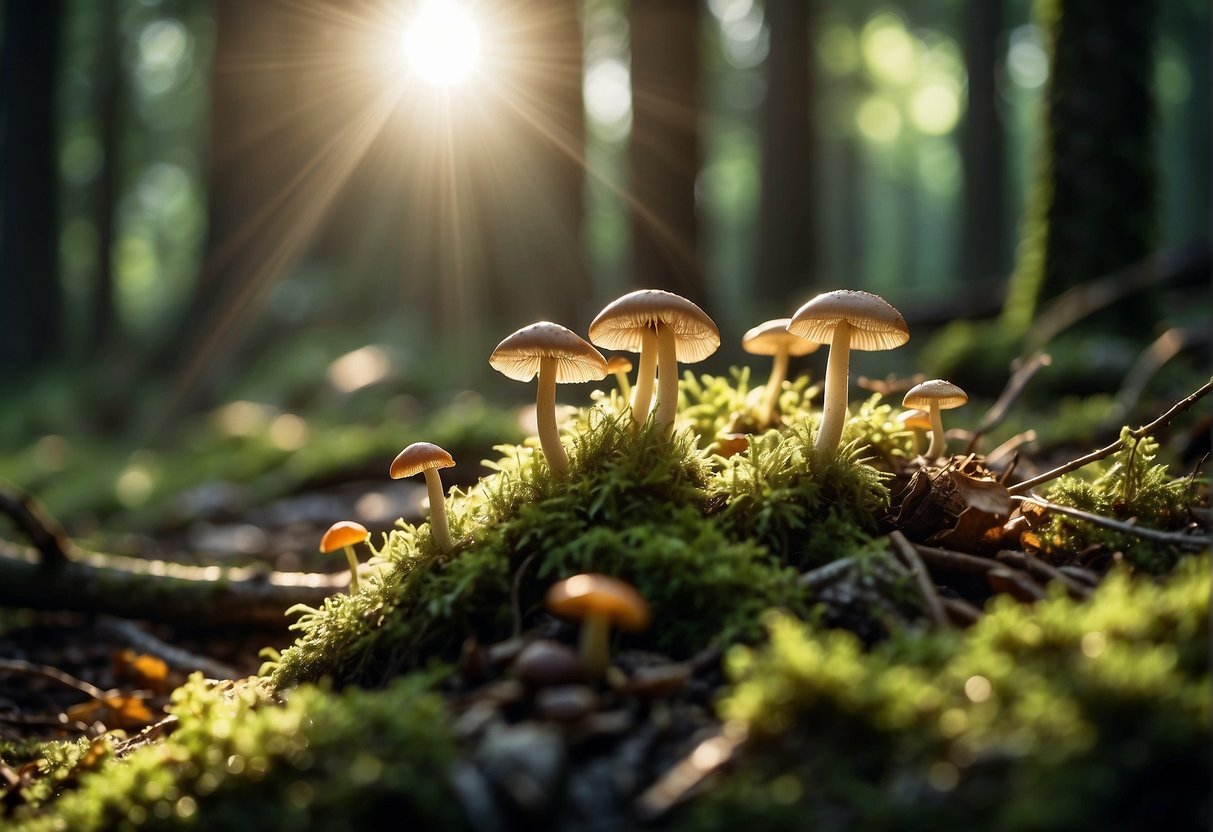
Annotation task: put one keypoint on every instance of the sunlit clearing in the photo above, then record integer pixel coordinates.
(442, 43)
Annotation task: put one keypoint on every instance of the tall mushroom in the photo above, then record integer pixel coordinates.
(933, 396)
(558, 356)
(654, 322)
(427, 458)
(845, 319)
(772, 338)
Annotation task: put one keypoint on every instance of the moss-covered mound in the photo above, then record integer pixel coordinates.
(710, 543)
(1060, 715)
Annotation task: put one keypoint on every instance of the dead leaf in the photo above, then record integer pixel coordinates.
(985, 494)
(144, 670)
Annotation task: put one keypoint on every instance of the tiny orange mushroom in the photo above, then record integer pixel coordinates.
(599, 601)
(345, 534)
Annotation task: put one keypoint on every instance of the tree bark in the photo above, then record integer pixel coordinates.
(102, 313)
(982, 148)
(664, 149)
(788, 247)
(31, 300)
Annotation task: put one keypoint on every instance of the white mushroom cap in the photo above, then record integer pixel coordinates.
(519, 355)
(875, 325)
(769, 337)
(622, 324)
(942, 394)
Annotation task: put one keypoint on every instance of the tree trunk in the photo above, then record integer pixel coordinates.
(982, 148)
(31, 300)
(787, 236)
(665, 145)
(111, 110)
(1094, 200)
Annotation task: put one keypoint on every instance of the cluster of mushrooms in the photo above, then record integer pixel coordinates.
(666, 329)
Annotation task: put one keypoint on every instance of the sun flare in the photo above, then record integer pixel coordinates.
(442, 43)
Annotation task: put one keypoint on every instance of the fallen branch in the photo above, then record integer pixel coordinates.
(1181, 539)
(956, 561)
(43, 531)
(1103, 453)
(1045, 572)
(823, 576)
(54, 674)
(155, 590)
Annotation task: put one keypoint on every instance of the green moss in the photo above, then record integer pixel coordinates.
(1061, 715)
(241, 760)
(1129, 486)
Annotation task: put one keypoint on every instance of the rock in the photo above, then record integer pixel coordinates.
(526, 762)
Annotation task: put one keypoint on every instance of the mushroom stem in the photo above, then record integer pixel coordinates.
(779, 371)
(625, 389)
(939, 442)
(438, 526)
(667, 377)
(595, 645)
(349, 555)
(834, 405)
(545, 416)
(643, 394)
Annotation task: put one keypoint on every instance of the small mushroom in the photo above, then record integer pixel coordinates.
(933, 396)
(427, 458)
(620, 366)
(599, 601)
(345, 534)
(917, 422)
(662, 325)
(772, 338)
(558, 356)
(846, 320)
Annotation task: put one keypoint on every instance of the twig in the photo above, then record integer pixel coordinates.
(1010, 394)
(823, 576)
(43, 531)
(1103, 453)
(956, 561)
(1186, 541)
(905, 550)
(175, 657)
(54, 674)
(960, 611)
(1044, 571)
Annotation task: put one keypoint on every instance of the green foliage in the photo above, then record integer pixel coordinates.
(240, 759)
(774, 496)
(715, 404)
(1131, 486)
(1060, 715)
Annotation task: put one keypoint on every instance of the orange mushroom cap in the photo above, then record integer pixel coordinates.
(418, 457)
(591, 594)
(618, 364)
(341, 534)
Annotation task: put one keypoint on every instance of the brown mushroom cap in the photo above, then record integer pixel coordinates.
(915, 419)
(519, 355)
(622, 324)
(618, 364)
(418, 457)
(341, 534)
(769, 337)
(591, 594)
(875, 325)
(943, 394)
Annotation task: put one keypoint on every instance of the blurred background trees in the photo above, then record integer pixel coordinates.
(191, 187)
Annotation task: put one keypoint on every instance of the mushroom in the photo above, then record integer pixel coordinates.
(916, 422)
(599, 601)
(344, 534)
(558, 356)
(772, 338)
(933, 396)
(660, 324)
(621, 366)
(428, 458)
(846, 320)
